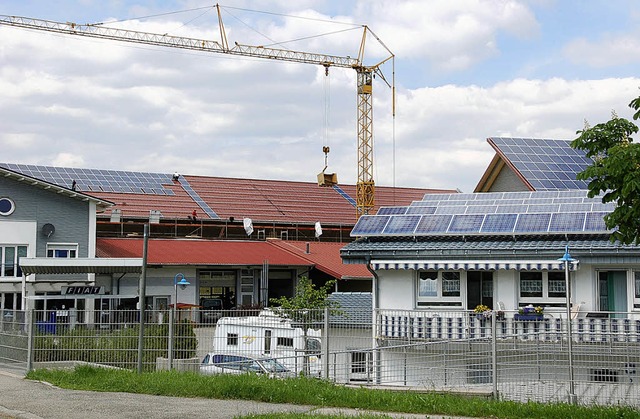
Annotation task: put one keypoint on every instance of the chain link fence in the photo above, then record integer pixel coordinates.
(503, 356)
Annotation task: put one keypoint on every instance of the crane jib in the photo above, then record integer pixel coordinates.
(365, 184)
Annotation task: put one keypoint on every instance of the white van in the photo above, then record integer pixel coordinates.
(270, 336)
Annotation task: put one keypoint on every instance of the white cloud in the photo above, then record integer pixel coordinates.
(111, 105)
(608, 51)
(449, 35)
(68, 160)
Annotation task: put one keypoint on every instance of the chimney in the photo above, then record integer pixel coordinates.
(308, 248)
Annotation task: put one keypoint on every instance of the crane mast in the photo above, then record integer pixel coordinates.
(365, 186)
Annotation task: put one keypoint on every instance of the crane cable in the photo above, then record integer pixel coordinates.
(326, 118)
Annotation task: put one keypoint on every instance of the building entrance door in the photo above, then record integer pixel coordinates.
(612, 291)
(479, 289)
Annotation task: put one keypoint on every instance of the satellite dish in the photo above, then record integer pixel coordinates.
(48, 230)
(248, 225)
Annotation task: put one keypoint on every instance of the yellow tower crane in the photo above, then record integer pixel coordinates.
(365, 187)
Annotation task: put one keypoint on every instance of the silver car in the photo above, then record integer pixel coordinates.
(214, 363)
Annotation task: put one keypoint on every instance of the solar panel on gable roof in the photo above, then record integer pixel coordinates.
(543, 208)
(499, 223)
(481, 209)
(594, 222)
(575, 207)
(599, 206)
(433, 224)
(401, 224)
(431, 197)
(391, 210)
(466, 223)
(421, 210)
(513, 209)
(567, 222)
(451, 209)
(370, 225)
(532, 223)
(516, 195)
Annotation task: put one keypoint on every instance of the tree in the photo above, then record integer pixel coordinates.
(615, 172)
(306, 308)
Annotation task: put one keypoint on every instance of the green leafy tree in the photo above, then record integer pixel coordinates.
(306, 309)
(615, 172)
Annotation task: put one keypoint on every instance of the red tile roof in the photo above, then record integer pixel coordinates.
(325, 256)
(199, 252)
(260, 200)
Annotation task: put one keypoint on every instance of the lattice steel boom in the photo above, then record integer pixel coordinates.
(365, 189)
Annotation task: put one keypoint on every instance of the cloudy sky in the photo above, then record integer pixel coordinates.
(464, 70)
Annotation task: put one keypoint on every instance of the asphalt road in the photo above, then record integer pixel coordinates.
(26, 399)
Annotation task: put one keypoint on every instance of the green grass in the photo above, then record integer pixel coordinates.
(305, 391)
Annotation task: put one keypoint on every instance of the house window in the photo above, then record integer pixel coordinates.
(531, 284)
(540, 286)
(282, 341)
(557, 284)
(10, 260)
(451, 284)
(62, 250)
(428, 284)
(232, 339)
(438, 288)
(636, 277)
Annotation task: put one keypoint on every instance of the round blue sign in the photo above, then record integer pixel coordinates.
(6, 206)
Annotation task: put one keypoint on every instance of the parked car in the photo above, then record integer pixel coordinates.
(211, 310)
(214, 363)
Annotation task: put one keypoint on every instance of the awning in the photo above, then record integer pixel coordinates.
(474, 265)
(80, 265)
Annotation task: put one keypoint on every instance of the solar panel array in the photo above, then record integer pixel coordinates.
(196, 197)
(548, 212)
(96, 180)
(344, 195)
(545, 164)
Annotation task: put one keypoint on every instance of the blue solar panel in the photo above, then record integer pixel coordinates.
(532, 223)
(401, 224)
(481, 209)
(545, 164)
(96, 180)
(433, 224)
(392, 210)
(420, 210)
(575, 207)
(543, 208)
(466, 223)
(370, 225)
(513, 209)
(499, 223)
(567, 222)
(451, 209)
(594, 222)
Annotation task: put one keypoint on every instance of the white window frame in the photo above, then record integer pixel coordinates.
(636, 290)
(17, 273)
(439, 298)
(72, 248)
(544, 298)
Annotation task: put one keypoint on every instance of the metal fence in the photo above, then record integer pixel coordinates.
(501, 356)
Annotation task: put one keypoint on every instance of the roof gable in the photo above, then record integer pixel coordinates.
(41, 184)
(541, 164)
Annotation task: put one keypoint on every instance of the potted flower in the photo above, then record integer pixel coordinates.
(529, 313)
(482, 312)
